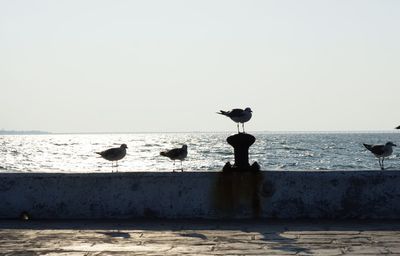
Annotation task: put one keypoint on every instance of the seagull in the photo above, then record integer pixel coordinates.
(176, 154)
(381, 151)
(238, 115)
(114, 154)
(398, 127)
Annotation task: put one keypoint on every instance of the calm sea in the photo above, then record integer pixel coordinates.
(207, 151)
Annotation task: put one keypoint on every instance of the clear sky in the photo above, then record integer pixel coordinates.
(115, 66)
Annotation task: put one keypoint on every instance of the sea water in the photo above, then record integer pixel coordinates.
(70, 153)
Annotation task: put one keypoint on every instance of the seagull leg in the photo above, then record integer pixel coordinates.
(383, 166)
(238, 127)
(380, 164)
(243, 128)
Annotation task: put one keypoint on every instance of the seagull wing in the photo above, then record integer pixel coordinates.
(376, 149)
(111, 153)
(236, 112)
(174, 153)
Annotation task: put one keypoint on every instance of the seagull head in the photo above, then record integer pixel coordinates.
(123, 146)
(248, 110)
(389, 143)
(184, 146)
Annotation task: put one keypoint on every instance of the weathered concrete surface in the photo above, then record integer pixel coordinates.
(270, 194)
(194, 237)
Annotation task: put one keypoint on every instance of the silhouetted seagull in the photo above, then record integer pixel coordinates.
(176, 154)
(238, 115)
(381, 151)
(114, 154)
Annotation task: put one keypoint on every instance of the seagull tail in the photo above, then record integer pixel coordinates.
(367, 146)
(163, 153)
(221, 112)
(98, 153)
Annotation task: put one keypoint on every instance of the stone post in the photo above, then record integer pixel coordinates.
(241, 143)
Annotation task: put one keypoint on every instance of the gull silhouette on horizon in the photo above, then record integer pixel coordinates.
(381, 151)
(114, 154)
(238, 116)
(176, 154)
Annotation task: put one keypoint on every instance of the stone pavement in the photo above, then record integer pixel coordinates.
(199, 237)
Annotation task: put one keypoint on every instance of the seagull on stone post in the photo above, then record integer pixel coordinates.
(238, 116)
(381, 151)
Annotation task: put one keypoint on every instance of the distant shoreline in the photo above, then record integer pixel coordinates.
(32, 132)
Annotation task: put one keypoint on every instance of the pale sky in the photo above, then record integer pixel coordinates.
(144, 66)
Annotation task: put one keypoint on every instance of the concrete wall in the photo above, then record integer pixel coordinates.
(277, 194)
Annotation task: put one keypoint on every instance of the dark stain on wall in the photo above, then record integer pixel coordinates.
(238, 193)
(268, 189)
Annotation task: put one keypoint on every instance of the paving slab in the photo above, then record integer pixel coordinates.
(199, 237)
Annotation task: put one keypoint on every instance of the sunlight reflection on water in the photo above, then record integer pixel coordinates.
(207, 151)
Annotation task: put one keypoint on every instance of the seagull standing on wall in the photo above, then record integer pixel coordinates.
(114, 154)
(381, 151)
(176, 154)
(238, 116)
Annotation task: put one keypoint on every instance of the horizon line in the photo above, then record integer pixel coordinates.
(41, 132)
